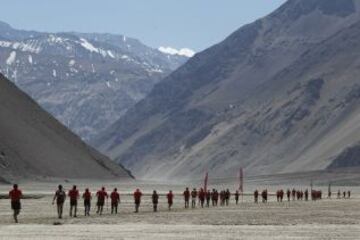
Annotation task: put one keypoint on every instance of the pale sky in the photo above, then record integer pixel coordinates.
(195, 24)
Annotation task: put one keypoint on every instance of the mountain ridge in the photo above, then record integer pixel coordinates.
(109, 73)
(35, 146)
(234, 105)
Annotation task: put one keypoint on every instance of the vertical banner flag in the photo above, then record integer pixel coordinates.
(241, 180)
(206, 181)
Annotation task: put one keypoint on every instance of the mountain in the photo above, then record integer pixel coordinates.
(279, 95)
(33, 145)
(87, 81)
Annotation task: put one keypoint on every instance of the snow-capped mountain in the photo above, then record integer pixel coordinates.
(87, 81)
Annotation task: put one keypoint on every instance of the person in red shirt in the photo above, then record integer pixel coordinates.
(87, 201)
(115, 200)
(137, 199)
(170, 198)
(202, 197)
(101, 195)
(15, 195)
(186, 195)
(60, 197)
(74, 196)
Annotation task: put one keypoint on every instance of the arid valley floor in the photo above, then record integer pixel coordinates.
(325, 219)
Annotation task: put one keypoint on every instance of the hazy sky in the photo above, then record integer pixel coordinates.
(195, 24)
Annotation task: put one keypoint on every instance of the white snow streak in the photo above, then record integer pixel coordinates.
(88, 45)
(11, 58)
(72, 62)
(25, 47)
(182, 52)
(30, 59)
(110, 54)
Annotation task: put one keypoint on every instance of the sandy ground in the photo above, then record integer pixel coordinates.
(326, 219)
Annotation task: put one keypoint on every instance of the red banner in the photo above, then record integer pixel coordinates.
(241, 180)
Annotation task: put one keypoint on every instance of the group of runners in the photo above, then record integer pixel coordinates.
(74, 196)
(201, 197)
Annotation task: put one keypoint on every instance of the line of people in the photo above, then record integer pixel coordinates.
(201, 197)
(344, 194)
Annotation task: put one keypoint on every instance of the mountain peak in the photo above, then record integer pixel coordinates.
(4, 26)
(297, 8)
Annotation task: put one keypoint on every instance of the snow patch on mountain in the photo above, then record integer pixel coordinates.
(182, 52)
(72, 62)
(88, 45)
(11, 59)
(22, 46)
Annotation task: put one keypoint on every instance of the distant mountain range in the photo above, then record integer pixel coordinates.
(86, 80)
(279, 95)
(35, 146)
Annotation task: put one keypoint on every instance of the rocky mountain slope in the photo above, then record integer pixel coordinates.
(279, 95)
(33, 145)
(87, 81)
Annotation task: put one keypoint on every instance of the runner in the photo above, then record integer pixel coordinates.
(137, 199)
(288, 194)
(193, 198)
(306, 195)
(74, 196)
(237, 194)
(256, 196)
(115, 200)
(202, 197)
(227, 197)
(60, 197)
(87, 201)
(15, 196)
(186, 195)
(170, 198)
(208, 197)
(101, 196)
(155, 200)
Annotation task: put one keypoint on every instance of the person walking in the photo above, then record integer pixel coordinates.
(137, 199)
(208, 197)
(256, 196)
(193, 198)
(170, 198)
(115, 200)
(155, 200)
(87, 201)
(202, 197)
(59, 197)
(227, 197)
(101, 196)
(15, 196)
(74, 196)
(186, 195)
(237, 195)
